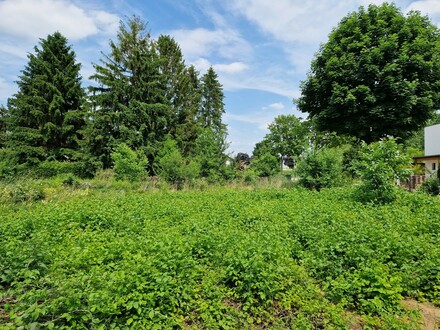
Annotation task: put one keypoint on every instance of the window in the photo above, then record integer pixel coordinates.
(433, 166)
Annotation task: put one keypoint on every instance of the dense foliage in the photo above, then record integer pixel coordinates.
(380, 165)
(287, 139)
(143, 94)
(321, 168)
(377, 75)
(45, 118)
(217, 260)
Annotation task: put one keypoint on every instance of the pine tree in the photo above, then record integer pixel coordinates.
(45, 116)
(187, 125)
(129, 103)
(212, 102)
(211, 144)
(182, 94)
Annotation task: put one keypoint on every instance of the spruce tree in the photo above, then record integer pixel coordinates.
(187, 125)
(213, 107)
(181, 92)
(211, 144)
(129, 104)
(45, 117)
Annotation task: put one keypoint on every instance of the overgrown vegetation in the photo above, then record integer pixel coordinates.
(227, 259)
(170, 232)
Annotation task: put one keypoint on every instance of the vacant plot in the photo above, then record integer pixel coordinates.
(224, 259)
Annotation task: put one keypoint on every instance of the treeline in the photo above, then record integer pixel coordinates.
(145, 102)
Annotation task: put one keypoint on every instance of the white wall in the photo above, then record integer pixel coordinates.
(428, 167)
(432, 140)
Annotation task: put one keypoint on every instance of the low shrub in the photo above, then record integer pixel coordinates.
(128, 164)
(321, 169)
(431, 185)
(26, 192)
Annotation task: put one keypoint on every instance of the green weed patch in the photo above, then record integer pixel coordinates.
(217, 260)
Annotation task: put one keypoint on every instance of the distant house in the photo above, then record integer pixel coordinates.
(431, 160)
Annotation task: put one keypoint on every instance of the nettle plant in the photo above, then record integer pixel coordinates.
(380, 165)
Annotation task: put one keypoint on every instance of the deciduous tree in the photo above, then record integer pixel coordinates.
(378, 75)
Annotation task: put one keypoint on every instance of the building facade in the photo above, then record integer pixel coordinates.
(431, 160)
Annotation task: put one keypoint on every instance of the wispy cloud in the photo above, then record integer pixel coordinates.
(276, 106)
(431, 7)
(6, 89)
(202, 42)
(293, 20)
(231, 68)
(24, 22)
(263, 117)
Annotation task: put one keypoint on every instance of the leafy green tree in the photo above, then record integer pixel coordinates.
(379, 165)
(129, 103)
(210, 145)
(187, 124)
(210, 152)
(262, 148)
(3, 120)
(288, 137)
(46, 117)
(378, 75)
(417, 139)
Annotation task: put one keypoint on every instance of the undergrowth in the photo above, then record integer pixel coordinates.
(103, 257)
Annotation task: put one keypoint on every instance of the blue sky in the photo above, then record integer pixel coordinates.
(260, 49)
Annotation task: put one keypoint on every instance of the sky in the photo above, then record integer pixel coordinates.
(260, 49)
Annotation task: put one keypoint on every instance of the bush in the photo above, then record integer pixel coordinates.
(431, 186)
(49, 169)
(27, 192)
(173, 168)
(265, 165)
(128, 164)
(321, 169)
(380, 165)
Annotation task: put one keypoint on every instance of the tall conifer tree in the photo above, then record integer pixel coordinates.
(211, 144)
(213, 107)
(45, 116)
(186, 128)
(129, 103)
(181, 92)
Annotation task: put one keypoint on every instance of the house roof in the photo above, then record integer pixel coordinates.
(427, 157)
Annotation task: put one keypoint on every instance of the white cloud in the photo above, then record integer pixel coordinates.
(258, 119)
(32, 19)
(294, 20)
(201, 64)
(231, 68)
(259, 81)
(262, 118)
(427, 7)
(276, 106)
